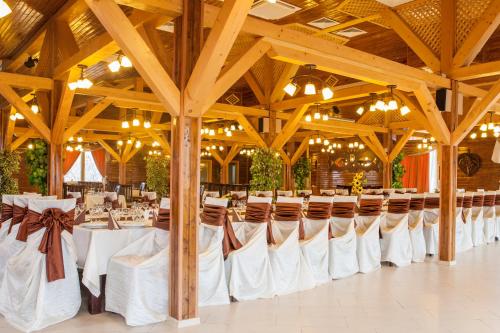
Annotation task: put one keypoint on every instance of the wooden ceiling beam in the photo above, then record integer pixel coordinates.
(26, 81)
(11, 126)
(476, 71)
(300, 150)
(433, 115)
(86, 118)
(278, 93)
(22, 139)
(411, 39)
(235, 149)
(168, 8)
(400, 145)
(291, 126)
(251, 131)
(159, 138)
(235, 71)
(476, 113)
(111, 125)
(217, 157)
(215, 50)
(255, 86)
(479, 35)
(241, 138)
(110, 150)
(133, 45)
(347, 24)
(375, 147)
(64, 108)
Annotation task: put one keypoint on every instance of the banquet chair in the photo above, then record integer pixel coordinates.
(137, 276)
(431, 223)
(113, 198)
(288, 194)
(459, 222)
(290, 269)
(248, 268)
(264, 194)
(40, 286)
(314, 245)
(478, 238)
(497, 213)
(341, 191)
(466, 240)
(489, 217)
(304, 193)
(387, 192)
(327, 192)
(343, 261)
(416, 227)
(6, 215)
(212, 276)
(367, 232)
(76, 195)
(395, 244)
(149, 197)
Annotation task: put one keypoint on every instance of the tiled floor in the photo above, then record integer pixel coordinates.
(425, 297)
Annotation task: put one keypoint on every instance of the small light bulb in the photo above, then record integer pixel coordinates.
(136, 122)
(34, 108)
(327, 93)
(125, 124)
(114, 66)
(311, 141)
(325, 117)
(326, 142)
(30, 146)
(491, 126)
(432, 139)
(484, 135)
(392, 105)
(380, 105)
(419, 146)
(322, 150)
(361, 146)
(119, 142)
(79, 139)
(129, 141)
(211, 132)
(147, 124)
(240, 127)
(125, 62)
(229, 133)
(318, 140)
(310, 89)
(221, 148)
(308, 118)
(138, 144)
(233, 128)
(19, 116)
(317, 115)
(404, 110)
(71, 139)
(214, 147)
(483, 127)
(473, 135)
(373, 108)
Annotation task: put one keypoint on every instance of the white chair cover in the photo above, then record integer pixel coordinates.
(137, 280)
(27, 300)
(416, 228)
(7, 199)
(489, 218)
(248, 269)
(239, 194)
(75, 195)
(478, 238)
(466, 241)
(459, 224)
(497, 209)
(266, 194)
(211, 194)
(111, 195)
(367, 238)
(303, 192)
(341, 191)
(290, 269)
(149, 195)
(395, 244)
(431, 226)
(327, 192)
(343, 260)
(284, 193)
(315, 245)
(212, 276)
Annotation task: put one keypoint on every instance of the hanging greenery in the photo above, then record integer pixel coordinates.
(37, 162)
(398, 171)
(9, 165)
(357, 183)
(301, 171)
(158, 175)
(266, 170)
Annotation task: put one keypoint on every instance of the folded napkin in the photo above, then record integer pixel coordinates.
(80, 218)
(112, 224)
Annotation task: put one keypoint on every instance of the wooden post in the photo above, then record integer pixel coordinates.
(448, 186)
(122, 172)
(387, 166)
(185, 171)
(224, 174)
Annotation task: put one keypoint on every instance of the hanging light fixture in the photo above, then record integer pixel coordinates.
(82, 82)
(291, 88)
(4, 9)
(34, 105)
(147, 123)
(138, 144)
(310, 87)
(119, 143)
(120, 61)
(388, 102)
(129, 140)
(473, 135)
(491, 124)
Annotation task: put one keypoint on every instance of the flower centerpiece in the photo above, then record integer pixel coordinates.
(357, 183)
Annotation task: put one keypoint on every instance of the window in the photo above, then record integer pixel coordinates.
(84, 169)
(433, 170)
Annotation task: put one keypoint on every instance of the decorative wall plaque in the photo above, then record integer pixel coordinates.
(469, 163)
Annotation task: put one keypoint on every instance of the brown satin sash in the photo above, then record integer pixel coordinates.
(343, 209)
(399, 206)
(477, 201)
(417, 204)
(319, 210)
(489, 200)
(370, 207)
(217, 216)
(17, 216)
(163, 219)
(55, 221)
(467, 202)
(497, 200)
(288, 211)
(431, 203)
(7, 211)
(260, 212)
(78, 200)
(114, 203)
(460, 201)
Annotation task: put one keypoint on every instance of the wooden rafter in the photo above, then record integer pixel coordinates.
(235, 149)
(22, 139)
(214, 53)
(476, 113)
(284, 156)
(110, 150)
(433, 115)
(145, 62)
(251, 131)
(254, 85)
(11, 125)
(300, 150)
(375, 146)
(159, 138)
(400, 145)
(217, 157)
(168, 8)
(26, 81)
(86, 118)
(64, 108)
(291, 126)
(476, 71)
(288, 72)
(348, 24)
(479, 35)
(413, 41)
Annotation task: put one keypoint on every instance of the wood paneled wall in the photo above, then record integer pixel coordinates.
(136, 169)
(488, 176)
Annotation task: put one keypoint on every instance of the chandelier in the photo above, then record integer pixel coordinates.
(227, 130)
(82, 82)
(310, 82)
(154, 151)
(119, 62)
(427, 144)
(317, 115)
(385, 103)
(485, 127)
(247, 151)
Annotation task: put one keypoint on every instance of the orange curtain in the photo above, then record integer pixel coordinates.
(416, 172)
(99, 156)
(71, 157)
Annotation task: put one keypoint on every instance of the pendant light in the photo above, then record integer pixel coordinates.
(34, 105)
(291, 88)
(310, 89)
(82, 82)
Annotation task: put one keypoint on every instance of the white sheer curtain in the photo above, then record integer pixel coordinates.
(91, 173)
(433, 171)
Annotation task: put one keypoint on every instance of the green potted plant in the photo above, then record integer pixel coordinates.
(398, 171)
(37, 162)
(301, 171)
(158, 175)
(9, 165)
(266, 170)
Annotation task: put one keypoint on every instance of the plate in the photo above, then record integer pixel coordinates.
(95, 225)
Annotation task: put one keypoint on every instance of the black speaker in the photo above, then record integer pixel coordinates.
(443, 99)
(335, 109)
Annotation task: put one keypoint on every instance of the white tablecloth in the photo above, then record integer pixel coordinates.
(98, 199)
(95, 247)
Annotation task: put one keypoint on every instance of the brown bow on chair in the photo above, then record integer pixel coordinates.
(343, 209)
(477, 201)
(497, 199)
(399, 206)
(489, 200)
(217, 216)
(431, 203)
(416, 203)
(18, 214)
(260, 212)
(370, 207)
(289, 211)
(55, 221)
(7, 212)
(162, 221)
(320, 211)
(466, 203)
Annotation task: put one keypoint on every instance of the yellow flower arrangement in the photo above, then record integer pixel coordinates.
(357, 183)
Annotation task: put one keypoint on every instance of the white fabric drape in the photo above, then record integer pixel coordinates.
(497, 213)
(459, 226)
(368, 243)
(416, 227)
(431, 227)
(478, 238)
(489, 218)
(27, 300)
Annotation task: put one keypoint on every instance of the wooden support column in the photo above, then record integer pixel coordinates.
(185, 171)
(448, 186)
(122, 172)
(387, 165)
